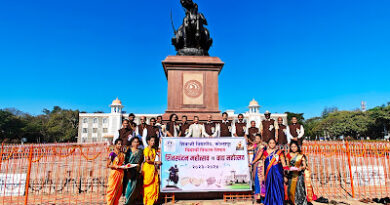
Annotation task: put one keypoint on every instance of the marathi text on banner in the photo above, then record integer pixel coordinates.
(204, 164)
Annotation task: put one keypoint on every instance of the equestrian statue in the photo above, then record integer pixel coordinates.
(192, 38)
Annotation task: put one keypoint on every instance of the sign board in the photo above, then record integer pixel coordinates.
(204, 165)
(368, 175)
(12, 184)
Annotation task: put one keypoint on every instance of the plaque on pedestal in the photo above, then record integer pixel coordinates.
(192, 86)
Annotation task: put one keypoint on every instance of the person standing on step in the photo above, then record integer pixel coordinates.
(172, 126)
(210, 128)
(184, 126)
(295, 131)
(196, 130)
(251, 133)
(282, 136)
(268, 127)
(239, 127)
(225, 126)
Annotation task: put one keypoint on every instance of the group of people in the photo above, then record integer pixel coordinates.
(134, 164)
(268, 128)
(281, 176)
(133, 171)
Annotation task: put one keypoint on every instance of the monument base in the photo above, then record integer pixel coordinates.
(192, 86)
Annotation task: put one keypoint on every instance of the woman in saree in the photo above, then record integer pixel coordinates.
(150, 173)
(115, 179)
(258, 169)
(134, 156)
(299, 189)
(296, 181)
(273, 173)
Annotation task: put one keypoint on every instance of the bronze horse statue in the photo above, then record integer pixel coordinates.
(192, 38)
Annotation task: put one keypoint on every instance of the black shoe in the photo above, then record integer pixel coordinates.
(322, 200)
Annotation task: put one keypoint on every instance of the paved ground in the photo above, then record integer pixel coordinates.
(100, 201)
(220, 202)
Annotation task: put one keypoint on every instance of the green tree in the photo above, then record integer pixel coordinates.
(56, 125)
(328, 110)
(347, 123)
(312, 127)
(381, 120)
(10, 126)
(61, 125)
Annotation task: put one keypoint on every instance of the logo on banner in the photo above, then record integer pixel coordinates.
(170, 146)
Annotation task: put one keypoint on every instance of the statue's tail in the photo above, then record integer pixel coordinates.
(173, 26)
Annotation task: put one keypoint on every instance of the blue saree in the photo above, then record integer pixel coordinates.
(274, 185)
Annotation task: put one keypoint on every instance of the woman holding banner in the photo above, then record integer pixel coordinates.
(258, 168)
(114, 187)
(133, 156)
(150, 173)
(273, 164)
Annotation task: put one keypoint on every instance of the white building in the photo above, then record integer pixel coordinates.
(100, 127)
(254, 114)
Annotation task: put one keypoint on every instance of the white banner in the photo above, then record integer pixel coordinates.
(368, 175)
(204, 164)
(12, 184)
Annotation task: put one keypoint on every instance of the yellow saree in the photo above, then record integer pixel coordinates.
(151, 180)
(296, 188)
(115, 179)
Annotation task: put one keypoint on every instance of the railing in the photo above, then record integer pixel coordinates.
(53, 174)
(76, 174)
(349, 169)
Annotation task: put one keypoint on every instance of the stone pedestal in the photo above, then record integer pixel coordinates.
(192, 86)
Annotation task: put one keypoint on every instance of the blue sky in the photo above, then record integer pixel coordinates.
(290, 55)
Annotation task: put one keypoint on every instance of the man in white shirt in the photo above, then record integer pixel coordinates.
(196, 130)
(295, 131)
